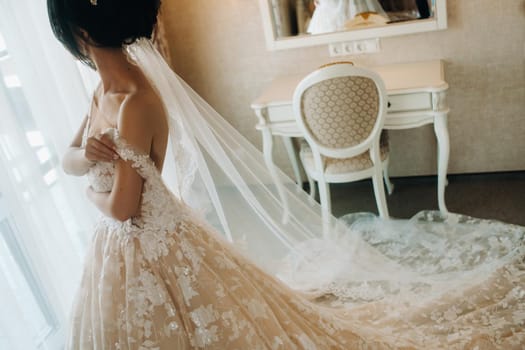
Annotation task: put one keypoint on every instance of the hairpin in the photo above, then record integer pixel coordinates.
(93, 2)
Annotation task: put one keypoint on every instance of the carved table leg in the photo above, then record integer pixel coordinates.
(292, 155)
(268, 158)
(440, 128)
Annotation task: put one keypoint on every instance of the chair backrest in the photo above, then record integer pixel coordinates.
(341, 109)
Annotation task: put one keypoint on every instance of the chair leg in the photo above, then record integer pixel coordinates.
(379, 190)
(311, 183)
(326, 205)
(324, 196)
(386, 177)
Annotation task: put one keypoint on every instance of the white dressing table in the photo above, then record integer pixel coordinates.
(416, 96)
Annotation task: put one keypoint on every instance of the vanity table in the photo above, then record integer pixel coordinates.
(416, 97)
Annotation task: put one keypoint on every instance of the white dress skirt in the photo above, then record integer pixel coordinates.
(167, 280)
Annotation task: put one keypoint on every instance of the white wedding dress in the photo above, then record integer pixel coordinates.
(169, 279)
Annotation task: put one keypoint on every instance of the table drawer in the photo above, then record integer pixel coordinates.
(397, 103)
(409, 102)
(280, 113)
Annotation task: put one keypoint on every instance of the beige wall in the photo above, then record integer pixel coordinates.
(219, 48)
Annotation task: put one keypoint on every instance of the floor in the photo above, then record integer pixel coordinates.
(499, 196)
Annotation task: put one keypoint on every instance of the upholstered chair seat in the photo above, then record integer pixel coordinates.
(335, 166)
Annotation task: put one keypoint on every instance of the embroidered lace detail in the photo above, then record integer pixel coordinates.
(167, 280)
(100, 176)
(160, 211)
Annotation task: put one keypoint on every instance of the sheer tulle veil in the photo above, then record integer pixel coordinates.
(222, 175)
(260, 210)
(277, 225)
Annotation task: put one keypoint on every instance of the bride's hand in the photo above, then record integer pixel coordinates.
(100, 149)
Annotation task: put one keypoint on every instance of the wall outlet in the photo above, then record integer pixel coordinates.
(357, 47)
(335, 50)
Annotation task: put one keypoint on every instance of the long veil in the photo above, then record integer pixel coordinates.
(278, 226)
(222, 175)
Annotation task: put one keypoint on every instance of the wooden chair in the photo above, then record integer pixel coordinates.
(341, 111)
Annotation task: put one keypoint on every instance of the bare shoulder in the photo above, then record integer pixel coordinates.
(142, 110)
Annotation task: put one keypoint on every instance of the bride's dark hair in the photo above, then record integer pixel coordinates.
(108, 23)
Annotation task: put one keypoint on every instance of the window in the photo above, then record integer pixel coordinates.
(31, 167)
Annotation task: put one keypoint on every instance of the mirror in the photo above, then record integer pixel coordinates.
(299, 23)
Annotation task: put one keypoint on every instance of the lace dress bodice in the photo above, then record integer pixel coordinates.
(160, 210)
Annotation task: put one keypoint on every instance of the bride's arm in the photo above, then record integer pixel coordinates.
(74, 162)
(77, 160)
(137, 129)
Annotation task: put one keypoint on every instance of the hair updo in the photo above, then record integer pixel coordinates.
(108, 23)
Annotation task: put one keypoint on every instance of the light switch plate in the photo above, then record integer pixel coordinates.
(357, 47)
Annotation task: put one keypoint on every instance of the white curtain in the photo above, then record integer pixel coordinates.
(45, 219)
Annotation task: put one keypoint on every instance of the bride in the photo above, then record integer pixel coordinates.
(212, 258)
